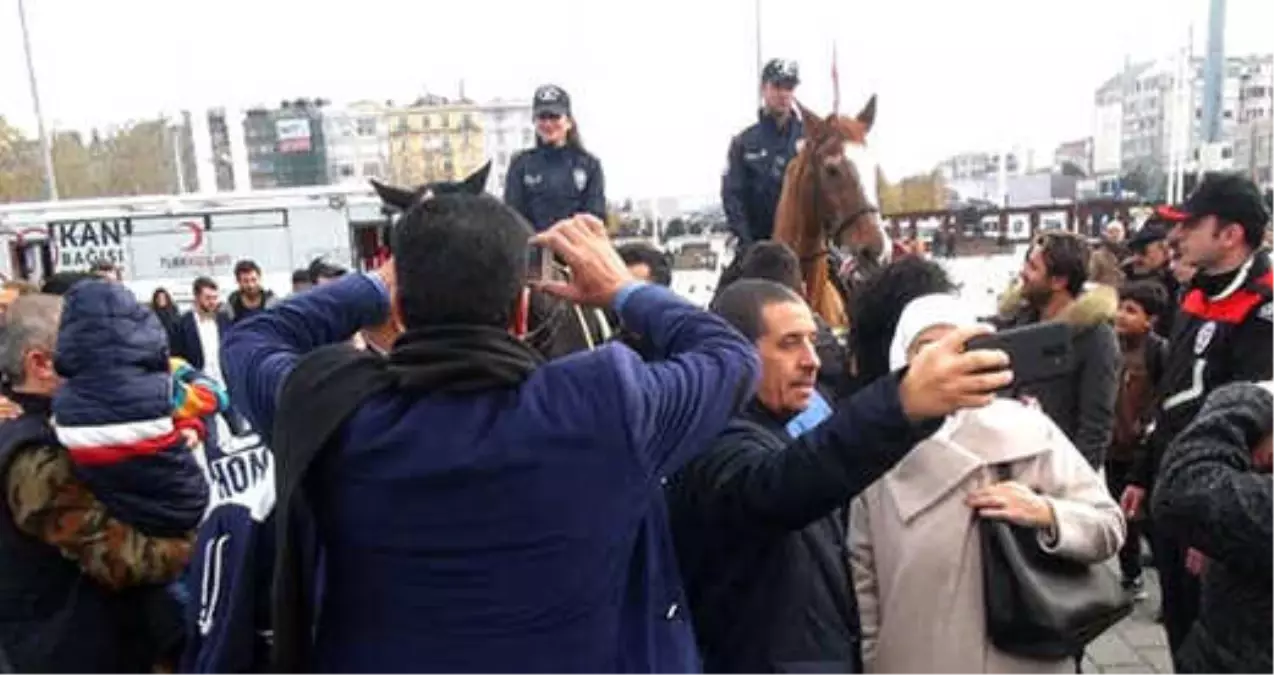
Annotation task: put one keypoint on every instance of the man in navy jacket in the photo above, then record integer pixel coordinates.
(758, 157)
(488, 512)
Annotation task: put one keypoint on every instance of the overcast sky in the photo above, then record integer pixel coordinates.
(659, 85)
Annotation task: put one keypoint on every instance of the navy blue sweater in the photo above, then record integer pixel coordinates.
(515, 530)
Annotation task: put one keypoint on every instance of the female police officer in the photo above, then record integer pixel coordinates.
(557, 178)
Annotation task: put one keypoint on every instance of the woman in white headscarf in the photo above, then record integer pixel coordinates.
(914, 542)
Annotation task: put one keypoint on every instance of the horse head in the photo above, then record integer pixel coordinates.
(840, 175)
(399, 200)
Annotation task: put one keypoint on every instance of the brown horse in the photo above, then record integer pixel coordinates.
(829, 205)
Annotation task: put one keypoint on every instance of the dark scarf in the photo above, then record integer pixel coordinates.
(461, 359)
(327, 386)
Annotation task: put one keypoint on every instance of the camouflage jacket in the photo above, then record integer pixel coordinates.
(49, 503)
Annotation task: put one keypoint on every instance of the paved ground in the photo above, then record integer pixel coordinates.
(1136, 645)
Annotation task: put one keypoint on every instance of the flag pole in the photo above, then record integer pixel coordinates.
(835, 81)
(51, 185)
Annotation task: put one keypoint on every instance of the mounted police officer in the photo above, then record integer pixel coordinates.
(758, 157)
(558, 178)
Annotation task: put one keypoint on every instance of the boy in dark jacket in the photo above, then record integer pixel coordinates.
(1141, 303)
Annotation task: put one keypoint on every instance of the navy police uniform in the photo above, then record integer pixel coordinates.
(546, 183)
(1222, 334)
(758, 161)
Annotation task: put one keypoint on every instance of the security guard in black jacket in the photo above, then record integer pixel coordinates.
(1222, 334)
(557, 178)
(758, 157)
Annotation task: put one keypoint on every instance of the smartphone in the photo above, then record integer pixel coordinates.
(1037, 352)
(539, 264)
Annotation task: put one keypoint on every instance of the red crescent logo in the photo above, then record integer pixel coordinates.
(195, 230)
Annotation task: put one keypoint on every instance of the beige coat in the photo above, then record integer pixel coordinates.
(915, 550)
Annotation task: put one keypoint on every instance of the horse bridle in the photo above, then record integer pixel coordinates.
(844, 224)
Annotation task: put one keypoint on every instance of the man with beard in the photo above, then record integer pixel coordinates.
(1052, 288)
(198, 333)
(1222, 334)
(251, 297)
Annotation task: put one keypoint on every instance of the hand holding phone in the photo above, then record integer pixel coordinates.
(597, 271)
(1038, 352)
(945, 376)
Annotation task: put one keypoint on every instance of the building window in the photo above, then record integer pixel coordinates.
(367, 126)
(1227, 152)
(345, 170)
(371, 170)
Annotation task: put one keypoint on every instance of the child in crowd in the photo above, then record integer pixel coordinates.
(127, 414)
(1141, 303)
(129, 417)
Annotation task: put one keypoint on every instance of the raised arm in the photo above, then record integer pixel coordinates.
(742, 482)
(259, 353)
(679, 404)
(49, 503)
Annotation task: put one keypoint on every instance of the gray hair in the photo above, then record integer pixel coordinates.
(30, 323)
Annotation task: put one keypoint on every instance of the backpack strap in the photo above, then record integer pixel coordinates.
(321, 393)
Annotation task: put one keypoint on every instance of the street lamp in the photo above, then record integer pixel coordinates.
(45, 146)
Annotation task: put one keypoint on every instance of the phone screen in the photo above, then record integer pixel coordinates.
(538, 262)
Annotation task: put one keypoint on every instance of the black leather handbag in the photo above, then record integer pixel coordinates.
(1040, 605)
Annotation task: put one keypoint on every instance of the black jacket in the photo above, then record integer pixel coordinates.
(1082, 403)
(184, 342)
(1221, 335)
(759, 524)
(547, 184)
(753, 179)
(1211, 499)
(238, 311)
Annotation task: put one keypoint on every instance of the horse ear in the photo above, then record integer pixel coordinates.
(476, 183)
(867, 116)
(813, 123)
(394, 196)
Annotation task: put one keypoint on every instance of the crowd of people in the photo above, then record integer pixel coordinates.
(383, 472)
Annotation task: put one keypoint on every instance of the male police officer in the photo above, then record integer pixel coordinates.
(759, 156)
(1222, 334)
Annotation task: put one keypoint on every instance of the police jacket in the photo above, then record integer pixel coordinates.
(547, 184)
(1222, 334)
(754, 178)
